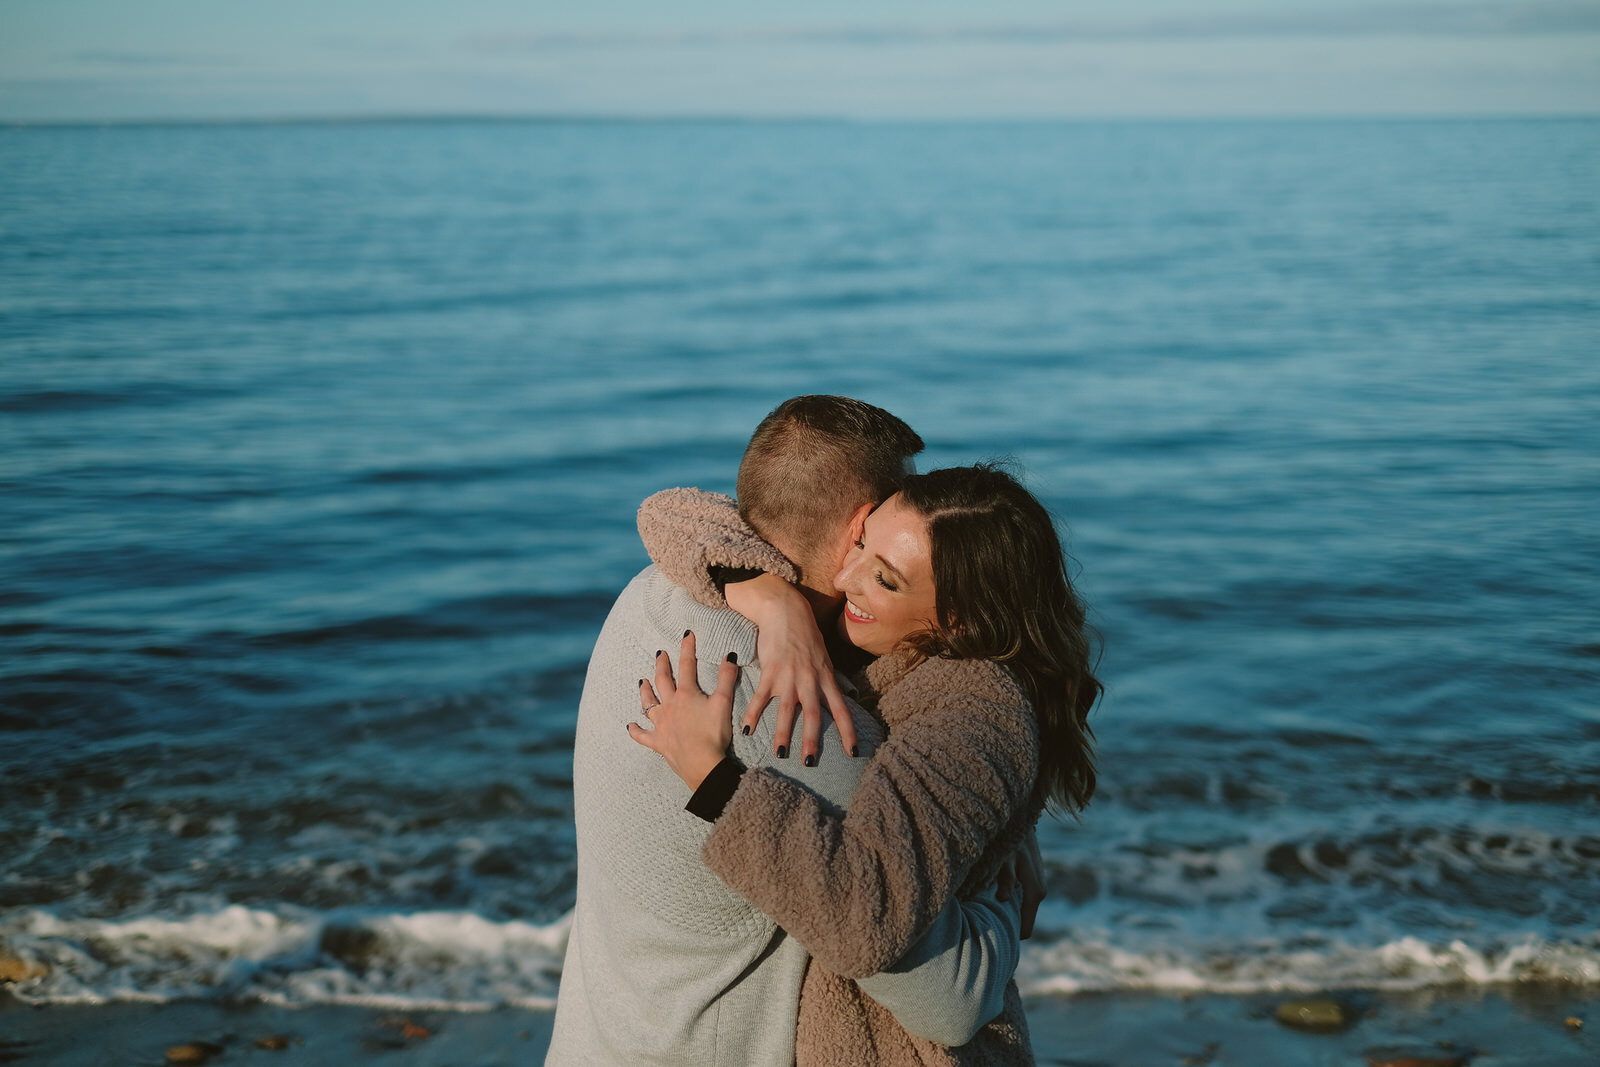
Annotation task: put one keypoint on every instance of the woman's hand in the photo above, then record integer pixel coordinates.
(795, 667)
(691, 730)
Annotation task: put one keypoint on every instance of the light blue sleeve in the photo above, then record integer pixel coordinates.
(954, 979)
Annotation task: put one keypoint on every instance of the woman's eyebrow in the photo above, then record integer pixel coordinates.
(890, 567)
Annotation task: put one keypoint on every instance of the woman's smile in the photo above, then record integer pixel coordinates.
(856, 614)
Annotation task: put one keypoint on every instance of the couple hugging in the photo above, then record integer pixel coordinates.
(850, 904)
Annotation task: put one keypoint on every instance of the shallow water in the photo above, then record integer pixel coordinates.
(320, 445)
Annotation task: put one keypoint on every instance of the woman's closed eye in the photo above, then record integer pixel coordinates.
(881, 581)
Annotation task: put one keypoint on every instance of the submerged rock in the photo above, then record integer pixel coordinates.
(273, 1042)
(1319, 1014)
(353, 946)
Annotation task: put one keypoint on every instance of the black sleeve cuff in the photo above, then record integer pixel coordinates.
(717, 789)
(722, 577)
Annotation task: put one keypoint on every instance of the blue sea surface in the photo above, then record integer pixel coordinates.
(320, 447)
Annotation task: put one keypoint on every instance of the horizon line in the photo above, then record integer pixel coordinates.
(576, 118)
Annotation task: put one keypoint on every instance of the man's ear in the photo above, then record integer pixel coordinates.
(858, 521)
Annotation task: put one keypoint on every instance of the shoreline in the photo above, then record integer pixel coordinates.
(1433, 1028)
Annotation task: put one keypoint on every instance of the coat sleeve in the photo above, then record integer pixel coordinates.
(689, 531)
(858, 890)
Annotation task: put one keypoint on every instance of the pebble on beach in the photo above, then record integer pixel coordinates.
(401, 1032)
(409, 1028)
(1318, 1014)
(17, 969)
(192, 1052)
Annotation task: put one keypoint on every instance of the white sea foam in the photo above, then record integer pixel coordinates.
(430, 959)
(1092, 962)
(462, 961)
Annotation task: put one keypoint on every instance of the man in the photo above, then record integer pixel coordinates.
(665, 964)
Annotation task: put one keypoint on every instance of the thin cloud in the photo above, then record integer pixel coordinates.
(146, 60)
(1434, 20)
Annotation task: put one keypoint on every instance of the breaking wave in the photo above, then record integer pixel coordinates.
(1095, 964)
(461, 961)
(452, 960)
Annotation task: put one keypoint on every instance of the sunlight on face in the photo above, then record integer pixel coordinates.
(887, 579)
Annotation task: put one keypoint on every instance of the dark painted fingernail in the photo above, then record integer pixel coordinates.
(686, 633)
(746, 730)
(641, 683)
(783, 751)
(658, 653)
(811, 761)
(733, 657)
(855, 750)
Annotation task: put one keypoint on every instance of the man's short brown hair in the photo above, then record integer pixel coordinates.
(814, 460)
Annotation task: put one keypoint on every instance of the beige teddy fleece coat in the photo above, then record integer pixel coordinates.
(947, 797)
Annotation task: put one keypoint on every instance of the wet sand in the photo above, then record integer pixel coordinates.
(1490, 1028)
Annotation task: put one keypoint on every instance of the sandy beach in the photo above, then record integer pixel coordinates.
(1490, 1028)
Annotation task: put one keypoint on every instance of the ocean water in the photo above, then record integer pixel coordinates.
(320, 447)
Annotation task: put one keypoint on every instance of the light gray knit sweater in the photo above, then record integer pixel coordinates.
(665, 963)
(943, 801)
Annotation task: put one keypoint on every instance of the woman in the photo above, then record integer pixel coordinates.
(958, 586)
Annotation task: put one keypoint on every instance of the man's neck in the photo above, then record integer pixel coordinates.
(825, 606)
(824, 602)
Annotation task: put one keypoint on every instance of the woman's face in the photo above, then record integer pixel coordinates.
(887, 579)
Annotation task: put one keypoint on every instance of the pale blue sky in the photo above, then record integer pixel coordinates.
(154, 59)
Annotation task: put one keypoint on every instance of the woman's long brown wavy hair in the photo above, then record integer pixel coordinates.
(1002, 592)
